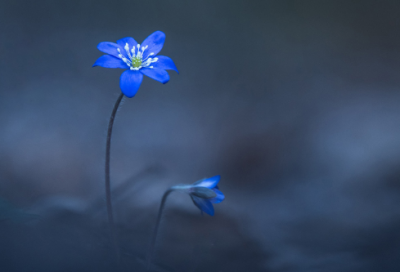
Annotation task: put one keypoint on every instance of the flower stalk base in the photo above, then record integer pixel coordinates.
(107, 178)
(154, 237)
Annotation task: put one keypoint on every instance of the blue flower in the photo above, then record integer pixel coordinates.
(138, 59)
(206, 192)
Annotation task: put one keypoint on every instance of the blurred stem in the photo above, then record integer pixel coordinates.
(153, 239)
(107, 170)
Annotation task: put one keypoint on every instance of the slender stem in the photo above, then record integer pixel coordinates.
(153, 239)
(107, 170)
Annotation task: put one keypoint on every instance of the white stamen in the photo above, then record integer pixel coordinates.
(147, 57)
(127, 50)
(147, 62)
(134, 56)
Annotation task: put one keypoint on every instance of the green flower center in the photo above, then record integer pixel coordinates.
(136, 62)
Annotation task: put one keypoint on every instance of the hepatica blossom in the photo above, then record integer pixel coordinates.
(138, 59)
(204, 193)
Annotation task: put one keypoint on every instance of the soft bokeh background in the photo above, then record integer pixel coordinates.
(296, 104)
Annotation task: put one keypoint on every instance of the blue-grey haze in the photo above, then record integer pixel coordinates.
(296, 104)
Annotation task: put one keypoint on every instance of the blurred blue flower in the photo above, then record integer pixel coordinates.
(206, 192)
(139, 59)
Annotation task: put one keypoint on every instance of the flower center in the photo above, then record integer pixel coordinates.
(136, 62)
(134, 57)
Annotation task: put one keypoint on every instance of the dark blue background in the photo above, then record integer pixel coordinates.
(294, 103)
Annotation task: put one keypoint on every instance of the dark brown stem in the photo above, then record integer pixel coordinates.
(153, 239)
(107, 170)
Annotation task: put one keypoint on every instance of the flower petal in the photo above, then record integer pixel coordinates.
(165, 63)
(220, 196)
(154, 43)
(110, 48)
(128, 40)
(156, 74)
(108, 61)
(209, 182)
(203, 192)
(129, 82)
(203, 204)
